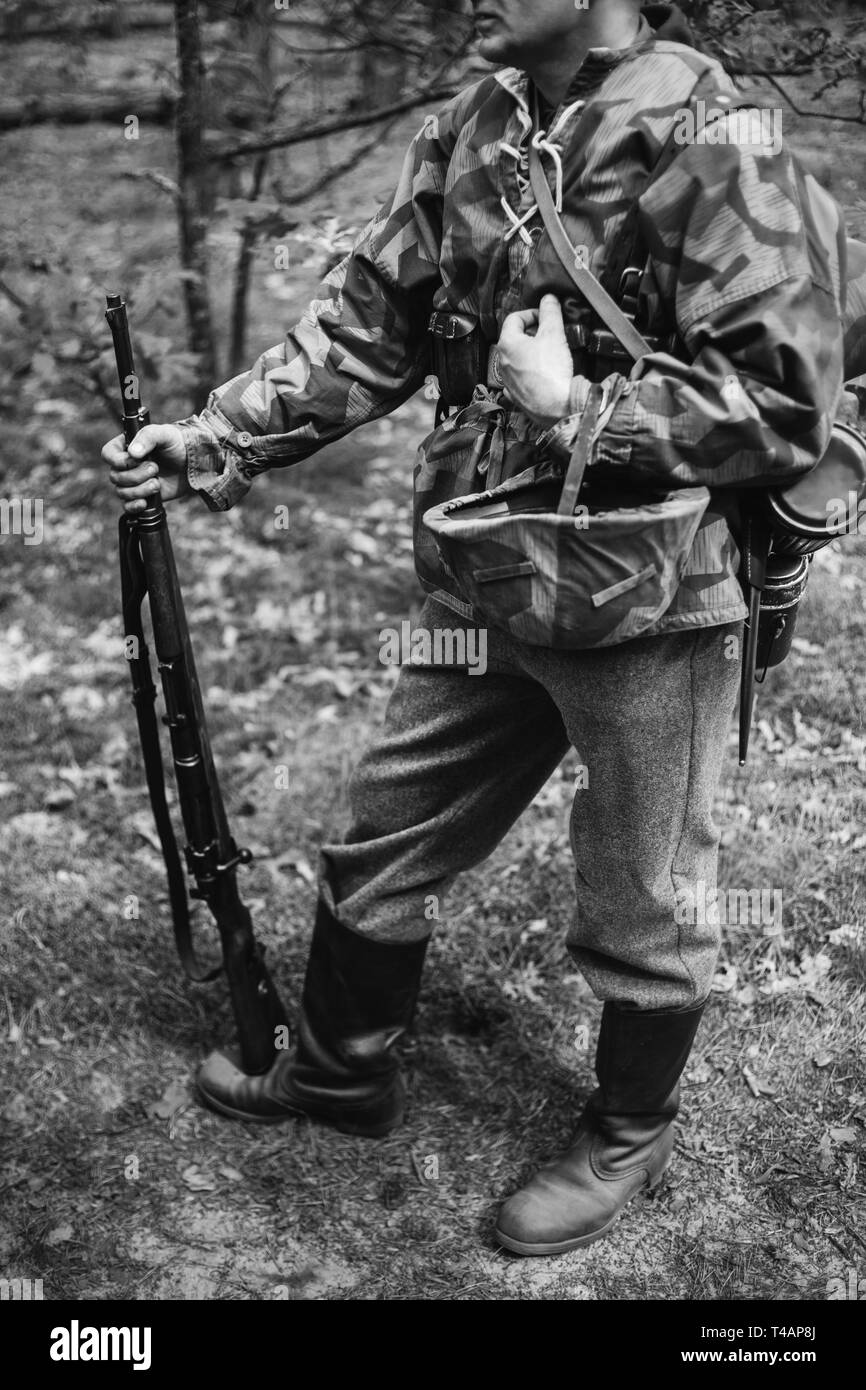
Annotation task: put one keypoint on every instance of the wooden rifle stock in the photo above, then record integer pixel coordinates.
(147, 568)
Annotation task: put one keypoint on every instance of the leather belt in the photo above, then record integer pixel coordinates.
(591, 350)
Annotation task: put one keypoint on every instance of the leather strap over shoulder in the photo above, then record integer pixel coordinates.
(596, 295)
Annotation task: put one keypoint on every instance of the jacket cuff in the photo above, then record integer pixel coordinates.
(558, 440)
(219, 462)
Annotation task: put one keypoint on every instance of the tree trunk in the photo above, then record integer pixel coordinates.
(192, 215)
(255, 36)
(243, 268)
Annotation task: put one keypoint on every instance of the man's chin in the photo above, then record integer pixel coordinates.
(493, 48)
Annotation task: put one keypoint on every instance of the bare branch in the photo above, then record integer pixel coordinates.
(300, 135)
(817, 115)
(162, 181)
(12, 296)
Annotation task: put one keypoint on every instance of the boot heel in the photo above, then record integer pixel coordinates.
(657, 1180)
(666, 1145)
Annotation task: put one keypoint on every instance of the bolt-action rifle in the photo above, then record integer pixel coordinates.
(147, 568)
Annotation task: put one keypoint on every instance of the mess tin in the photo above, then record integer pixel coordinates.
(825, 502)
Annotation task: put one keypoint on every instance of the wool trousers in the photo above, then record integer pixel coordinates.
(461, 754)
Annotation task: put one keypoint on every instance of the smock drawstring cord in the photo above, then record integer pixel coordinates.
(543, 142)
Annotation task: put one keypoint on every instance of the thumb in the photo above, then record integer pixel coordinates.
(550, 316)
(148, 439)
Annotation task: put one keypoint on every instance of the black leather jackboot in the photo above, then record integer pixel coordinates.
(624, 1141)
(359, 997)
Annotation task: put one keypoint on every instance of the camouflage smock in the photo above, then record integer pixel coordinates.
(747, 262)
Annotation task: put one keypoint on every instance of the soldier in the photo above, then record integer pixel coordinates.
(741, 302)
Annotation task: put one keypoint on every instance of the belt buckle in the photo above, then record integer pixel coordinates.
(629, 288)
(443, 324)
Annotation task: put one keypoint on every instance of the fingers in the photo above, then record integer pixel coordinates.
(135, 498)
(547, 318)
(136, 481)
(133, 508)
(517, 324)
(141, 481)
(550, 316)
(114, 451)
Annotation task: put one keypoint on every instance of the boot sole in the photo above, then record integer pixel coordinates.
(344, 1126)
(562, 1247)
(559, 1247)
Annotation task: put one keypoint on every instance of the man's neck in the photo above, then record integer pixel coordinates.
(614, 26)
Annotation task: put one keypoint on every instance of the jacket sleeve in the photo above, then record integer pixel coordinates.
(358, 352)
(750, 252)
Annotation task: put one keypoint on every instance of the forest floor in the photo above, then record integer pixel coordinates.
(115, 1182)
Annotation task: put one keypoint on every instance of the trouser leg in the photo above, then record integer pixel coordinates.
(457, 760)
(649, 720)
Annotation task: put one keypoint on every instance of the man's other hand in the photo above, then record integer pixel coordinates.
(155, 462)
(536, 369)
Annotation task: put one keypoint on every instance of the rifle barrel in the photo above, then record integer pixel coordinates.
(135, 415)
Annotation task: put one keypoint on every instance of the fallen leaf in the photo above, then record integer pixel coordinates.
(60, 797)
(725, 979)
(59, 1234)
(757, 1087)
(142, 823)
(844, 1134)
(848, 934)
(18, 1108)
(768, 1174)
(109, 1095)
(814, 968)
(298, 863)
(197, 1181)
(805, 733)
(174, 1098)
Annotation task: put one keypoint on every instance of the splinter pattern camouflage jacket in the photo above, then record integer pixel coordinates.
(747, 263)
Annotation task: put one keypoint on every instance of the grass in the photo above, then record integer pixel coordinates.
(116, 1184)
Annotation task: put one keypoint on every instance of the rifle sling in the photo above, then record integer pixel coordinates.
(133, 587)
